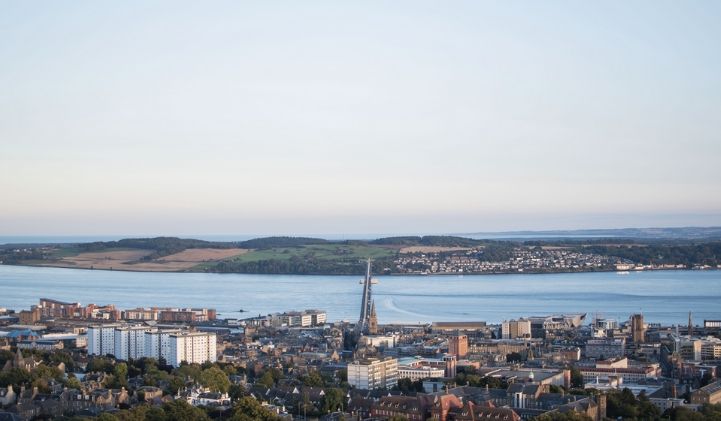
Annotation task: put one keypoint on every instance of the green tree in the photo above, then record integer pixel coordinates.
(249, 409)
(191, 371)
(42, 385)
(181, 410)
(15, 377)
(230, 370)
(72, 382)
(472, 379)
(99, 364)
(62, 357)
(267, 380)
(712, 412)
(121, 374)
(175, 383)
(332, 401)
(46, 372)
(646, 409)
(313, 379)
(622, 404)
(576, 378)
(110, 381)
(215, 379)
(153, 376)
(236, 392)
(684, 414)
(407, 385)
(155, 414)
(5, 356)
(139, 413)
(706, 412)
(563, 416)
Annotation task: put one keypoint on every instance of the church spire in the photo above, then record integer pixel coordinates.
(373, 320)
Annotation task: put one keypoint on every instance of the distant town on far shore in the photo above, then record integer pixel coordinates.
(631, 249)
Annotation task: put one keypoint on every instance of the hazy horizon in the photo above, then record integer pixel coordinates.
(19, 238)
(358, 117)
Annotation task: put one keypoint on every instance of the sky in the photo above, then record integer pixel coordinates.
(326, 117)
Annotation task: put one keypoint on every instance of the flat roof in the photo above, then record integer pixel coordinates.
(26, 327)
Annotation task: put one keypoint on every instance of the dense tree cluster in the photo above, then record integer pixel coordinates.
(659, 254)
(407, 385)
(245, 409)
(706, 413)
(471, 377)
(563, 416)
(576, 378)
(299, 265)
(429, 241)
(277, 242)
(623, 404)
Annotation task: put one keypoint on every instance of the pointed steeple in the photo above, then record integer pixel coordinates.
(373, 320)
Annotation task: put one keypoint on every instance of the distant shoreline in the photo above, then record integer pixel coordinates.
(393, 256)
(621, 272)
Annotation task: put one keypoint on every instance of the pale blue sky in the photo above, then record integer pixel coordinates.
(335, 117)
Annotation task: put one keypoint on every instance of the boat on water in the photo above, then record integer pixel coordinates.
(623, 272)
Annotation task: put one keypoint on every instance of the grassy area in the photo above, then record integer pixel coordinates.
(331, 258)
(61, 252)
(321, 251)
(336, 259)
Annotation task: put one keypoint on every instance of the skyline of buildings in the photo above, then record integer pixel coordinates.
(544, 131)
(529, 355)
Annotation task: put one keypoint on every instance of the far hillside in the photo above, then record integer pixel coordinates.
(391, 255)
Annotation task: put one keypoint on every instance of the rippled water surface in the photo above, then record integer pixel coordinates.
(663, 296)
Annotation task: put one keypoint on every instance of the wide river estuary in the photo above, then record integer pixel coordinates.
(663, 296)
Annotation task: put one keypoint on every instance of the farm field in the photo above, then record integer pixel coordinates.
(132, 260)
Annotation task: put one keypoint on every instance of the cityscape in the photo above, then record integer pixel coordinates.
(405, 210)
(90, 360)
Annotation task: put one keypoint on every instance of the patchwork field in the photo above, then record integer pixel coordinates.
(131, 260)
(202, 255)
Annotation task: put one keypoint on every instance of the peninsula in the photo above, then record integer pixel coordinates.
(424, 255)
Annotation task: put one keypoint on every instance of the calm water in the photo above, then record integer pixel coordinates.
(664, 297)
